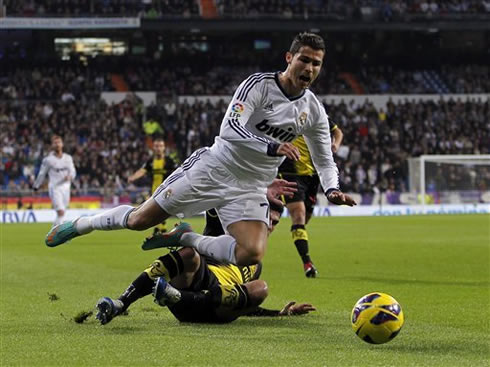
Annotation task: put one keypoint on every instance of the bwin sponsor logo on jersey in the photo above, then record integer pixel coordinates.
(276, 132)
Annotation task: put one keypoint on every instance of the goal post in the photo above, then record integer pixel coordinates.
(450, 179)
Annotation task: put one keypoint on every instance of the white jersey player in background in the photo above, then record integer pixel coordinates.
(266, 113)
(61, 171)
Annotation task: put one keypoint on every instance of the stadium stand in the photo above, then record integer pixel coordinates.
(378, 141)
(41, 95)
(286, 9)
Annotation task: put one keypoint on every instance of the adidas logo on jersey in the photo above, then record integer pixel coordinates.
(269, 107)
(276, 132)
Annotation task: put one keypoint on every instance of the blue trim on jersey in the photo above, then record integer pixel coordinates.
(249, 84)
(236, 130)
(249, 80)
(193, 157)
(187, 165)
(258, 80)
(276, 77)
(235, 125)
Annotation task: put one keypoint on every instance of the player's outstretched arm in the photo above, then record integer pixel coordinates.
(340, 198)
(293, 309)
(138, 174)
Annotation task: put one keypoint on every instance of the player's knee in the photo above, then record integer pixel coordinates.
(246, 256)
(137, 222)
(298, 216)
(257, 292)
(60, 212)
(190, 258)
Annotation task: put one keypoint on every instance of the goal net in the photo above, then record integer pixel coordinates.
(450, 179)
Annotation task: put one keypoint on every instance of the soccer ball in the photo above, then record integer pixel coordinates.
(377, 318)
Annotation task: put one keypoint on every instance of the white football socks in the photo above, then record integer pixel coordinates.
(59, 219)
(115, 218)
(221, 248)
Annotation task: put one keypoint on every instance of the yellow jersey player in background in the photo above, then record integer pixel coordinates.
(300, 206)
(158, 167)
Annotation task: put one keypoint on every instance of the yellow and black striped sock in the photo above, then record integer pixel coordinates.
(300, 238)
(167, 266)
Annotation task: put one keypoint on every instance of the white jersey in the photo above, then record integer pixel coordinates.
(259, 118)
(57, 169)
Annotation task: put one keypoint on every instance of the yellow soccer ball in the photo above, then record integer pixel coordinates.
(377, 318)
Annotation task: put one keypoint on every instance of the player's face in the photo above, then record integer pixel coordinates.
(159, 148)
(57, 145)
(304, 66)
(274, 220)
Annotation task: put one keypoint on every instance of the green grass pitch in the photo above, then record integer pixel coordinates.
(437, 267)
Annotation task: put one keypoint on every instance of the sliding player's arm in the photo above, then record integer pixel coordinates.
(291, 309)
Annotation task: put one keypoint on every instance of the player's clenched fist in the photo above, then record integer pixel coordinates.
(289, 150)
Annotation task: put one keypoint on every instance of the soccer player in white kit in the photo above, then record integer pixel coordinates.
(61, 171)
(267, 112)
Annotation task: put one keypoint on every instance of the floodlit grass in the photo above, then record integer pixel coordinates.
(437, 267)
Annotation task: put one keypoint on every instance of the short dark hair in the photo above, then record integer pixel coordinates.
(312, 40)
(159, 138)
(55, 136)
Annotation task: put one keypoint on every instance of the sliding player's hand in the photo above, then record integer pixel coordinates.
(278, 188)
(289, 150)
(292, 309)
(339, 198)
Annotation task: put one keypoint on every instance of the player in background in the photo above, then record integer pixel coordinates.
(267, 112)
(300, 206)
(159, 167)
(61, 171)
(198, 289)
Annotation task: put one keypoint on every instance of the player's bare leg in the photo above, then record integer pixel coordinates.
(192, 262)
(251, 241)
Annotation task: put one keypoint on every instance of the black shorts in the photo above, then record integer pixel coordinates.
(204, 279)
(307, 190)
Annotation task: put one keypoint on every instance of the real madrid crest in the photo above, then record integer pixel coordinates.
(302, 118)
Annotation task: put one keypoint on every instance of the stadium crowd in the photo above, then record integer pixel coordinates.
(341, 9)
(75, 81)
(109, 142)
(102, 8)
(222, 80)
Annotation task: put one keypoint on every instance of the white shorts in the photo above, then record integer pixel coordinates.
(60, 197)
(201, 183)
